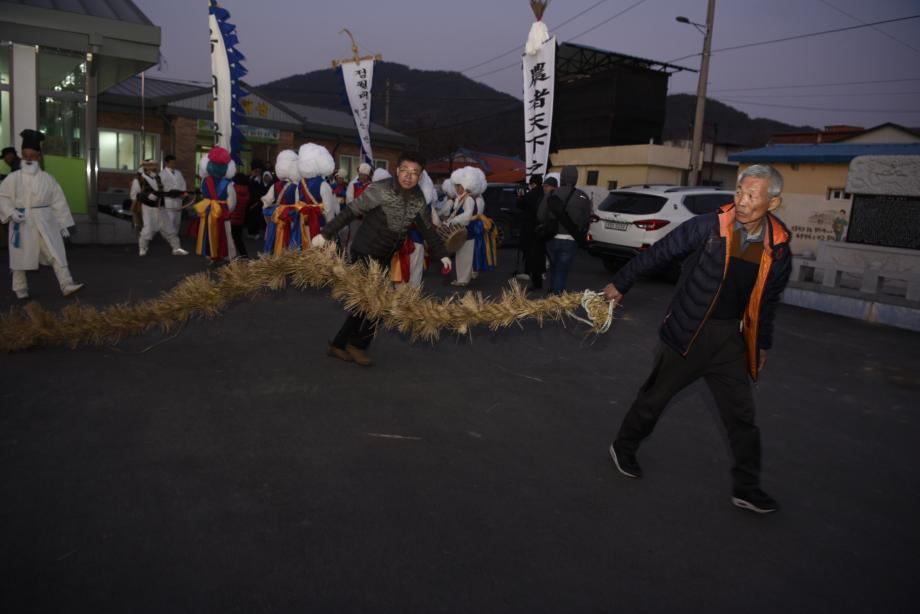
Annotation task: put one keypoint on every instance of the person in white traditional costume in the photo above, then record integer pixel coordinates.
(148, 189)
(317, 202)
(174, 184)
(359, 183)
(442, 208)
(468, 184)
(285, 173)
(340, 186)
(33, 203)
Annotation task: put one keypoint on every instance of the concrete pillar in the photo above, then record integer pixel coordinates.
(25, 91)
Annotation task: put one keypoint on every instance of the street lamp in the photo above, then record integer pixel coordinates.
(695, 145)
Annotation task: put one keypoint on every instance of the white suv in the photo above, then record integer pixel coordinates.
(633, 218)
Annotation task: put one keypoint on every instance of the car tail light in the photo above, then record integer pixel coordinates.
(594, 218)
(651, 224)
(590, 238)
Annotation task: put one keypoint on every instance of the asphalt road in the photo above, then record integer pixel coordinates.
(234, 467)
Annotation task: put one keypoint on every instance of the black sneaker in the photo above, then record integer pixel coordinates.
(626, 463)
(754, 500)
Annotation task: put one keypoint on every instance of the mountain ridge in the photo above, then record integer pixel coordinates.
(446, 110)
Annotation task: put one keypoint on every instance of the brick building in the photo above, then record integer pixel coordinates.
(151, 118)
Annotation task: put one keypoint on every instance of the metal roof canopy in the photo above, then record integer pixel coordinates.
(120, 37)
(824, 153)
(301, 118)
(579, 61)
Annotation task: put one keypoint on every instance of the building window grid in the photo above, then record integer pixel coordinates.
(123, 147)
(61, 84)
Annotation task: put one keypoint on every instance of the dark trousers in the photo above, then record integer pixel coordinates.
(718, 356)
(237, 233)
(358, 330)
(255, 221)
(561, 254)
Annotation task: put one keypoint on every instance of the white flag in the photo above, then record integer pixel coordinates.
(539, 85)
(226, 72)
(358, 77)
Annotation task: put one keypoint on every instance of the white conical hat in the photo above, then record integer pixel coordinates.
(314, 161)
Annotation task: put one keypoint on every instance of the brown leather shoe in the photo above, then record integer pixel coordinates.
(338, 353)
(359, 356)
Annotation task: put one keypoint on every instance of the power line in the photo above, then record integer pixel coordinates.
(837, 95)
(786, 106)
(606, 21)
(517, 48)
(571, 38)
(798, 36)
(806, 85)
(879, 30)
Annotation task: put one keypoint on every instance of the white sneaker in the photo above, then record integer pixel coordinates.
(461, 284)
(523, 276)
(179, 252)
(71, 289)
(22, 294)
(142, 251)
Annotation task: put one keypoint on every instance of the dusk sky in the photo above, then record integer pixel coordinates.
(818, 80)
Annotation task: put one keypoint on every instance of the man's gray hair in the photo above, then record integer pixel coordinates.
(764, 171)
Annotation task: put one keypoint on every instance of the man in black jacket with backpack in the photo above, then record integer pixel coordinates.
(562, 221)
(719, 325)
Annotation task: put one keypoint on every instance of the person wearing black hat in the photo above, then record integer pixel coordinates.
(34, 204)
(148, 189)
(10, 163)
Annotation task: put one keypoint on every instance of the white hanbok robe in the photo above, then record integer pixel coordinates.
(47, 213)
(173, 180)
(155, 218)
(464, 256)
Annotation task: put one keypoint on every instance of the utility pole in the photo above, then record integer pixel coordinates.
(695, 157)
(386, 113)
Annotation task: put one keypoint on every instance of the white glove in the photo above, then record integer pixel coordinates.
(65, 233)
(18, 216)
(446, 262)
(318, 241)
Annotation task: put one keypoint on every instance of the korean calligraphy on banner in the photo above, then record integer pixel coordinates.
(539, 86)
(358, 77)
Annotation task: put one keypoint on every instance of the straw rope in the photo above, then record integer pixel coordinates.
(362, 288)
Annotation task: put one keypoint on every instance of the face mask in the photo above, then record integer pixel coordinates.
(29, 167)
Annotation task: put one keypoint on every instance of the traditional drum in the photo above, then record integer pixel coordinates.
(452, 236)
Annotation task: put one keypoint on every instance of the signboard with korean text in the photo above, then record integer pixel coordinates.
(539, 85)
(358, 78)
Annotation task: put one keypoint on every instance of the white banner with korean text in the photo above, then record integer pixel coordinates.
(358, 78)
(221, 91)
(539, 86)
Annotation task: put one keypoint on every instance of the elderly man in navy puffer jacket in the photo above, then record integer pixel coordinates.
(719, 325)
